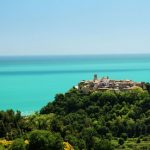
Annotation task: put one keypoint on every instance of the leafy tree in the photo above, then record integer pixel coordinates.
(87, 135)
(44, 140)
(108, 97)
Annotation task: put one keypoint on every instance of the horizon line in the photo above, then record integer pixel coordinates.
(102, 54)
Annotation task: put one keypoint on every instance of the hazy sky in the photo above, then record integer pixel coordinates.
(29, 27)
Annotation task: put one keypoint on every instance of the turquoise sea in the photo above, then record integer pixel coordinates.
(28, 83)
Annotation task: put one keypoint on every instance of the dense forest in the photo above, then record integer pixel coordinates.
(74, 120)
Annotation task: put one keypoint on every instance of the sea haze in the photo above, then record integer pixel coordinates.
(28, 83)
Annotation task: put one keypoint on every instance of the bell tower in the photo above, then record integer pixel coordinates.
(95, 77)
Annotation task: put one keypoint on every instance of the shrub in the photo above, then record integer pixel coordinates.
(2, 147)
(138, 140)
(121, 141)
(145, 139)
(124, 136)
(103, 145)
(18, 144)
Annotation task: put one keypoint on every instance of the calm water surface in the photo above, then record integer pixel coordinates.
(28, 83)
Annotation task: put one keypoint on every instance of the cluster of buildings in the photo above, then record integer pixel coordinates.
(105, 83)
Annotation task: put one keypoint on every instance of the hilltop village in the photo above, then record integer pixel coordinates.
(105, 83)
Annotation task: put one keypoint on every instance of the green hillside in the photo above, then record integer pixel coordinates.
(94, 121)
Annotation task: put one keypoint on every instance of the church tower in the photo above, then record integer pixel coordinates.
(95, 77)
